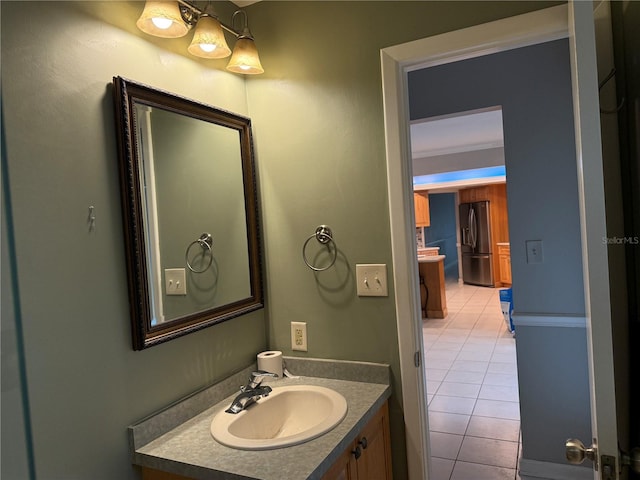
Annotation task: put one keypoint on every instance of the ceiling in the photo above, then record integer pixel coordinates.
(461, 132)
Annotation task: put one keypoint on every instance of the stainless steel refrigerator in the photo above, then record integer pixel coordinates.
(477, 257)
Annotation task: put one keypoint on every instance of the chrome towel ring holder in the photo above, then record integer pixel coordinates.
(206, 242)
(323, 235)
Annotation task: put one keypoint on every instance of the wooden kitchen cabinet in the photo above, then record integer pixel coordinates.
(421, 206)
(369, 456)
(496, 194)
(504, 256)
(475, 194)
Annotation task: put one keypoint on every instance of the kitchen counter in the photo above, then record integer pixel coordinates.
(433, 299)
(430, 258)
(178, 440)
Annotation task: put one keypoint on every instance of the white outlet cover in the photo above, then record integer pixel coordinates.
(299, 336)
(371, 280)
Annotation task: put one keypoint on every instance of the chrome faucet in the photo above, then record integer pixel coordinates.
(251, 392)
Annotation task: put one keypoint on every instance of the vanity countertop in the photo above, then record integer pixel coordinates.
(189, 449)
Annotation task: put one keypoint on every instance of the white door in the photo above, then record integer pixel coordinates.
(582, 41)
(575, 21)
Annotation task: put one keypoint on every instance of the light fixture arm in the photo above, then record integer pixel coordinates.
(245, 24)
(190, 14)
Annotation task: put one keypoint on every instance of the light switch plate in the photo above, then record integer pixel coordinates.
(175, 281)
(534, 251)
(372, 280)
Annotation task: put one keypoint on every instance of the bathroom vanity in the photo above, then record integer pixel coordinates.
(176, 443)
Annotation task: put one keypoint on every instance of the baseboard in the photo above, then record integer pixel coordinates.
(536, 470)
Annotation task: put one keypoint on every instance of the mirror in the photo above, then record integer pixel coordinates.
(189, 202)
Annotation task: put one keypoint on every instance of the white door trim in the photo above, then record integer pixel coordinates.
(513, 32)
(595, 264)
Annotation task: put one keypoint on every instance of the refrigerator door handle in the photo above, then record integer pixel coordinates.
(473, 227)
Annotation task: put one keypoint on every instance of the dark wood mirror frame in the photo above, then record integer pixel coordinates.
(126, 94)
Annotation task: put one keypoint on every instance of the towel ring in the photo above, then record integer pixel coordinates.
(323, 235)
(206, 242)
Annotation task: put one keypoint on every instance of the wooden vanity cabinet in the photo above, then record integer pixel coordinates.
(152, 474)
(369, 456)
(421, 207)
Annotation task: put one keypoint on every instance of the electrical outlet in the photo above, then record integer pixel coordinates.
(175, 281)
(372, 280)
(299, 336)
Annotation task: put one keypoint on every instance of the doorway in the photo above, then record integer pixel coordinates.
(470, 353)
(533, 29)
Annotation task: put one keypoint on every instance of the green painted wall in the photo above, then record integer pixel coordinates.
(86, 384)
(319, 135)
(318, 120)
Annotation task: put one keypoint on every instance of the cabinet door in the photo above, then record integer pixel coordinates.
(344, 468)
(374, 440)
(466, 195)
(421, 207)
(152, 474)
(505, 268)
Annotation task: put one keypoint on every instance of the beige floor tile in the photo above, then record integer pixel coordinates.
(499, 392)
(441, 468)
(472, 471)
(448, 422)
(476, 378)
(455, 389)
(509, 380)
(496, 428)
(497, 409)
(442, 403)
(445, 445)
(498, 453)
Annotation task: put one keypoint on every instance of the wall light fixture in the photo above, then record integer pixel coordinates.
(173, 19)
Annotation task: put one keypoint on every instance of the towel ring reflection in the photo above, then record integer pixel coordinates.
(323, 235)
(206, 242)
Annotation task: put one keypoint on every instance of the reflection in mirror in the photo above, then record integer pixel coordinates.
(190, 213)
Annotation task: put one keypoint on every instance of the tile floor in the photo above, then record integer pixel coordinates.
(472, 388)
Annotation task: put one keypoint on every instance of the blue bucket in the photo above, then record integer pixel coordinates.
(506, 303)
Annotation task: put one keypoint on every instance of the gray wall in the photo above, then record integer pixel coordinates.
(533, 86)
(489, 157)
(442, 232)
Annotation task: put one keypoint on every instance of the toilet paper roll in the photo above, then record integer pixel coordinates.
(271, 361)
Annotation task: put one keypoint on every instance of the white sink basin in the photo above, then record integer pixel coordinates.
(289, 416)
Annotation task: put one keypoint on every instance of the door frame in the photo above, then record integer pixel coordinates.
(506, 34)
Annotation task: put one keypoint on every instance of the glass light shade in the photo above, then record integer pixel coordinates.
(245, 57)
(208, 39)
(162, 19)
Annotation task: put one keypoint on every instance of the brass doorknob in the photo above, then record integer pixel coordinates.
(576, 452)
